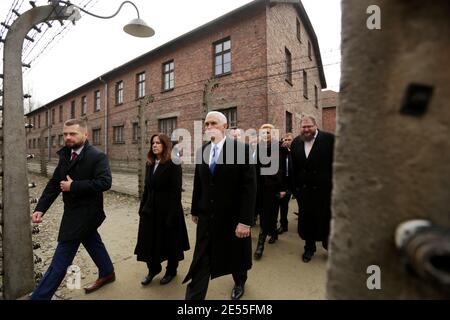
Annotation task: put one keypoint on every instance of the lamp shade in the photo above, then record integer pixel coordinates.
(138, 28)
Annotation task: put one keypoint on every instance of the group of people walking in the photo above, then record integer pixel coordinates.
(234, 182)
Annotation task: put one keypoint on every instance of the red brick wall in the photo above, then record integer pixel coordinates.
(245, 88)
(256, 85)
(329, 119)
(329, 105)
(282, 96)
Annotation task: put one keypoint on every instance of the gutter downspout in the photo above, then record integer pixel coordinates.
(106, 114)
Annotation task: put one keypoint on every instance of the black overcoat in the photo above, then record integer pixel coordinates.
(162, 230)
(269, 186)
(221, 201)
(312, 183)
(83, 204)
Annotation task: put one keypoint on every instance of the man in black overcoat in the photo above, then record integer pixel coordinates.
(312, 159)
(223, 204)
(82, 175)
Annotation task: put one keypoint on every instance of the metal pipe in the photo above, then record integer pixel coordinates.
(425, 251)
(106, 115)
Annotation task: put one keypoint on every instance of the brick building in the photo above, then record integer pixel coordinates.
(330, 101)
(259, 63)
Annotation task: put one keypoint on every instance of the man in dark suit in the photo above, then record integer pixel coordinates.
(82, 175)
(312, 159)
(223, 203)
(286, 165)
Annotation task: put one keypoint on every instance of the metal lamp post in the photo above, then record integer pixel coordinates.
(17, 243)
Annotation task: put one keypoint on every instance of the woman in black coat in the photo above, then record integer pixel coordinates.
(271, 187)
(162, 231)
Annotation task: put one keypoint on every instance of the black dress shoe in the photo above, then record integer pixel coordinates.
(167, 278)
(273, 238)
(281, 230)
(307, 256)
(237, 292)
(148, 279)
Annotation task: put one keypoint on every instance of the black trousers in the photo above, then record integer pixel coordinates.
(198, 287)
(310, 245)
(284, 208)
(155, 268)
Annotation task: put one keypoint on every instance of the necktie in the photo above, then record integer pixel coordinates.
(74, 156)
(212, 164)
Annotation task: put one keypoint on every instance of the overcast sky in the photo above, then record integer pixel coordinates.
(94, 46)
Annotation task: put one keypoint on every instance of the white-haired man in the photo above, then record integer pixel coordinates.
(223, 204)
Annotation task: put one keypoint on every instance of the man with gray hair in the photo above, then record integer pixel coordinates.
(223, 203)
(312, 159)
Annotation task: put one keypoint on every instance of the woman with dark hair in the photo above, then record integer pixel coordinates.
(162, 231)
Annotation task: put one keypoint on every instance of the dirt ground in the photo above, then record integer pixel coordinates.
(280, 274)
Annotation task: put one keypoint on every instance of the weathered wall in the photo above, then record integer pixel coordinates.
(283, 95)
(388, 167)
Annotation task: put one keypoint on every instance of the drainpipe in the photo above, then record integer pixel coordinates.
(106, 114)
(49, 142)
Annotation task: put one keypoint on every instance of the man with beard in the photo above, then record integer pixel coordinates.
(223, 204)
(82, 175)
(312, 158)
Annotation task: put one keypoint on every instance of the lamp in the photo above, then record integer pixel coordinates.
(136, 27)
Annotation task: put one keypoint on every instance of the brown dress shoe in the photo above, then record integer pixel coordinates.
(100, 282)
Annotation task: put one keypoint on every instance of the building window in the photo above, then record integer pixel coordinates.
(118, 134)
(29, 143)
(53, 141)
(222, 57)
(119, 92)
(96, 136)
(60, 113)
(34, 122)
(46, 118)
(299, 31)
(167, 126)
(309, 50)
(140, 85)
(34, 143)
(305, 84)
(61, 140)
(135, 132)
(316, 96)
(168, 75)
(97, 101)
(231, 115)
(83, 105)
(53, 116)
(46, 142)
(288, 66)
(288, 122)
(39, 121)
(72, 109)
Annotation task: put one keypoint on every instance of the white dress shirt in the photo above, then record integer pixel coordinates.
(219, 146)
(77, 151)
(309, 144)
(156, 165)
